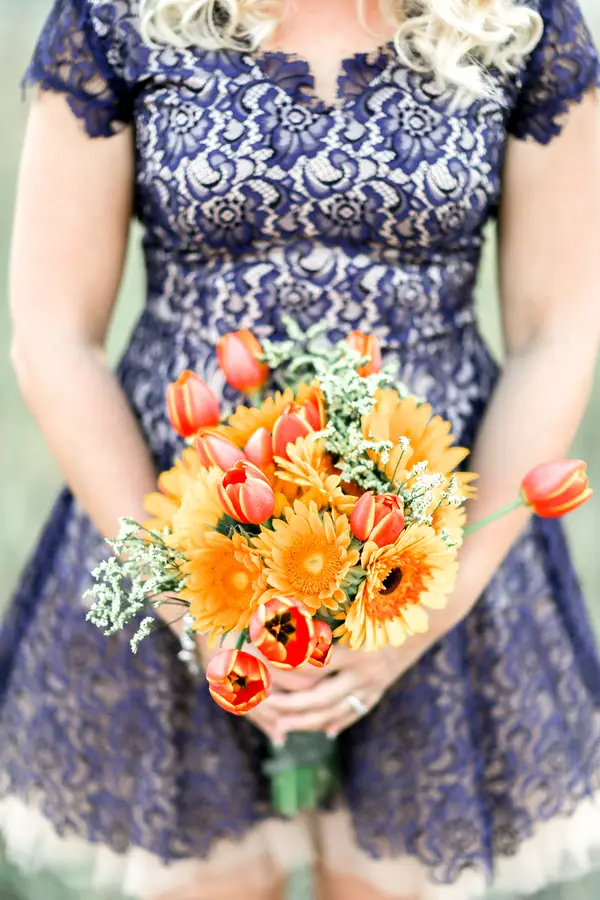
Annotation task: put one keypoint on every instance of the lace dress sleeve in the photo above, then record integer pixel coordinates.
(72, 57)
(561, 69)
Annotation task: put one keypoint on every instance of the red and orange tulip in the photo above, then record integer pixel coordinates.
(322, 644)
(291, 425)
(214, 450)
(237, 354)
(259, 449)
(246, 495)
(379, 519)
(367, 345)
(556, 488)
(283, 632)
(238, 681)
(191, 404)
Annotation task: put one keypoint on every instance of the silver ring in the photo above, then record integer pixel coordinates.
(357, 705)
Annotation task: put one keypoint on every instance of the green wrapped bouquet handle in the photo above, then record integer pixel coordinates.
(303, 772)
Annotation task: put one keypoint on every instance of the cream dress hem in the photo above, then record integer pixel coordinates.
(560, 849)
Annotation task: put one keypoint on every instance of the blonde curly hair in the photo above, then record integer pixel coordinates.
(458, 40)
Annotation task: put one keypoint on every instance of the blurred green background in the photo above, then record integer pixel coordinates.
(29, 478)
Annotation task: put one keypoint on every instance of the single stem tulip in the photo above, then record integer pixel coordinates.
(368, 346)
(237, 353)
(322, 644)
(556, 488)
(246, 495)
(238, 681)
(259, 449)
(550, 490)
(379, 519)
(215, 450)
(191, 405)
(283, 631)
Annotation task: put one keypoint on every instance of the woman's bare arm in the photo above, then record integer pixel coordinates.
(549, 256)
(73, 211)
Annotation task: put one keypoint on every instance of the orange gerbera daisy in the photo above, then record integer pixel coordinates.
(417, 570)
(242, 423)
(307, 555)
(224, 584)
(310, 468)
(172, 485)
(199, 511)
(430, 437)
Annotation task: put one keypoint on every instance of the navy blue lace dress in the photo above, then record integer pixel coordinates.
(258, 199)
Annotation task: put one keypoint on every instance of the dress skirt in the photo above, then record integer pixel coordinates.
(480, 766)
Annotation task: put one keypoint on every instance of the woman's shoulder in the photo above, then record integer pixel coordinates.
(117, 25)
(560, 70)
(112, 17)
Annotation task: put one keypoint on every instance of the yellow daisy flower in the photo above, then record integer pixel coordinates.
(309, 467)
(430, 437)
(199, 511)
(307, 556)
(417, 570)
(224, 584)
(173, 483)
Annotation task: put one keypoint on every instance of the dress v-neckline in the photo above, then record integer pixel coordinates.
(294, 74)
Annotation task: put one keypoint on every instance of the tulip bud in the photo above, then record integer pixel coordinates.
(556, 488)
(366, 345)
(322, 646)
(291, 425)
(191, 404)
(283, 632)
(237, 354)
(215, 450)
(259, 449)
(379, 519)
(246, 494)
(314, 409)
(238, 681)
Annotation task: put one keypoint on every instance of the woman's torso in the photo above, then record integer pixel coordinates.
(259, 200)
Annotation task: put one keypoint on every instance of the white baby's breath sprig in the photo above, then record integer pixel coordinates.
(448, 540)
(142, 569)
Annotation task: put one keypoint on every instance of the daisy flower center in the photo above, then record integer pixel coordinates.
(311, 565)
(314, 564)
(391, 581)
(240, 581)
(400, 587)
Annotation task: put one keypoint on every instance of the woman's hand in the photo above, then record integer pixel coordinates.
(354, 678)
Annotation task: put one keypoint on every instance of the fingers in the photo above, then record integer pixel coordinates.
(325, 708)
(265, 718)
(322, 696)
(294, 679)
(350, 717)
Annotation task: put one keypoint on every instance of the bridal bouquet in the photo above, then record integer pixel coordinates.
(330, 510)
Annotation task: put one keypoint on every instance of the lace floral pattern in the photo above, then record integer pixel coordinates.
(258, 200)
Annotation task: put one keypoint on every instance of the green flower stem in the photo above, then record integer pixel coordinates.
(256, 397)
(397, 467)
(487, 520)
(242, 639)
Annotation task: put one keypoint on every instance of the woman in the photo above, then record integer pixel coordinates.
(333, 163)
